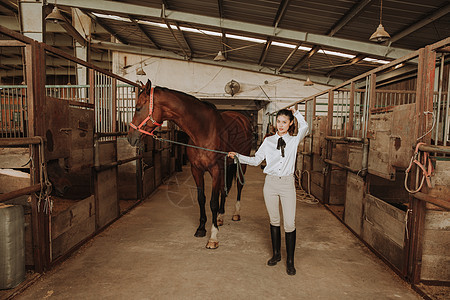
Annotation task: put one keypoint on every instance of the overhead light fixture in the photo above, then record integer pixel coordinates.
(140, 71)
(380, 35)
(220, 57)
(55, 16)
(308, 81)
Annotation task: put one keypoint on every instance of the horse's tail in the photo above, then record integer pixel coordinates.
(231, 174)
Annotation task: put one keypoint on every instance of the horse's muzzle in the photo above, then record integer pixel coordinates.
(133, 137)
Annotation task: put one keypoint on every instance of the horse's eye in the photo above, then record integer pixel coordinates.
(138, 108)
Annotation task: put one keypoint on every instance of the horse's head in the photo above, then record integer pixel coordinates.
(146, 117)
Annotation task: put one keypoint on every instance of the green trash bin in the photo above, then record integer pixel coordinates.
(12, 246)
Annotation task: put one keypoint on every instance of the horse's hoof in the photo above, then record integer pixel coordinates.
(200, 233)
(212, 244)
(219, 222)
(236, 218)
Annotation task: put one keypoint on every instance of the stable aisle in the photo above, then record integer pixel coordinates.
(151, 253)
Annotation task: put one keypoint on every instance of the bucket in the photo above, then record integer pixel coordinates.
(12, 246)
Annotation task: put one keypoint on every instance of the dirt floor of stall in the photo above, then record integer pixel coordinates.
(151, 253)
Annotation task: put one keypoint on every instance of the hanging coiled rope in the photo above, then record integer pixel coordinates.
(302, 195)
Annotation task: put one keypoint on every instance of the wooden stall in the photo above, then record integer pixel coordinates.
(64, 154)
(360, 157)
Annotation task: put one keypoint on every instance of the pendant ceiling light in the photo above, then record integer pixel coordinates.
(140, 71)
(308, 81)
(220, 57)
(55, 16)
(380, 35)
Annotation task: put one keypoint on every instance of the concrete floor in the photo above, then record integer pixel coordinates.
(151, 253)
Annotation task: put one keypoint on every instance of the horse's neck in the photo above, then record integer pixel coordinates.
(193, 117)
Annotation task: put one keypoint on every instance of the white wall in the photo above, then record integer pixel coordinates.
(208, 81)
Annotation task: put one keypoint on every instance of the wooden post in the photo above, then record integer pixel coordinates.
(424, 103)
(35, 60)
(92, 86)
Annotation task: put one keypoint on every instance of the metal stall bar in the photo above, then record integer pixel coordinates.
(447, 112)
(437, 110)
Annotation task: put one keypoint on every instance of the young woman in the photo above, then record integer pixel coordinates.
(280, 151)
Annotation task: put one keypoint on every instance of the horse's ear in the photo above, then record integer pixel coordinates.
(142, 84)
(147, 87)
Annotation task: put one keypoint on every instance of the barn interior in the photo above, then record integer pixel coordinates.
(375, 161)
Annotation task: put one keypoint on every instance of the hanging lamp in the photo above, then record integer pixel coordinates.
(380, 35)
(55, 16)
(308, 81)
(220, 57)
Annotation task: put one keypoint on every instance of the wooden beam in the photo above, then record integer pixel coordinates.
(354, 11)
(287, 58)
(278, 17)
(265, 51)
(106, 27)
(348, 63)
(142, 29)
(11, 43)
(187, 55)
(438, 13)
(114, 7)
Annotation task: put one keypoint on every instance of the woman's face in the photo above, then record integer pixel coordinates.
(283, 124)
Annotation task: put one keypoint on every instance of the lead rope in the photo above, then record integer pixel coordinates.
(240, 174)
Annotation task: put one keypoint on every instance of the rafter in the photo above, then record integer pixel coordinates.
(114, 7)
(223, 38)
(188, 55)
(353, 12)
(438, 13)
(106, 27)
(348, 63)
(287, 58)
(279, 15)
(142, 29)
(9, 6)
(230, 64)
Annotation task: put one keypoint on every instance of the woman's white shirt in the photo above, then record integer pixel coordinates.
(276, 164)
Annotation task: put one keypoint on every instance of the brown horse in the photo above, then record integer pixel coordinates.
(207, 128)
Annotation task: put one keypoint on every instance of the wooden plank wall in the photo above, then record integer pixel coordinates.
(436, 241)
(384, 229)
(72, 226)
(354, 202)
(106, 202)
(57, 128)
(338, 175)
(128, 187)
(436, 246)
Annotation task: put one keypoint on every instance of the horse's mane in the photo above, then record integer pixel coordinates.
(209, 104)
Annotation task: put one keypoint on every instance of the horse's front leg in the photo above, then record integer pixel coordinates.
(223, 197)
(199, 181)
(213, 242)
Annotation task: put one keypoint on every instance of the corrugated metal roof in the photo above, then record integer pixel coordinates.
(313, 17)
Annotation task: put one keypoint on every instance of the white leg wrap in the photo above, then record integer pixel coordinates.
(214, 232)
(237, 208)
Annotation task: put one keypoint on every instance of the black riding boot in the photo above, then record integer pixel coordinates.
(290, 249)
(276, 245)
